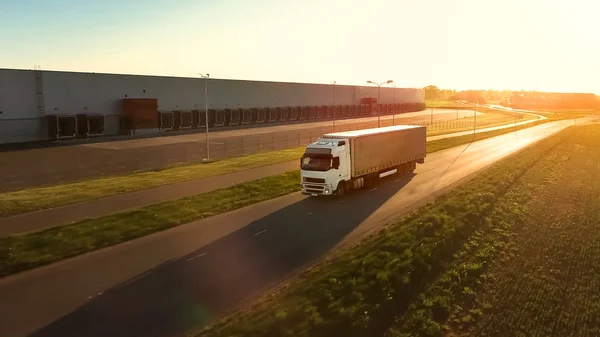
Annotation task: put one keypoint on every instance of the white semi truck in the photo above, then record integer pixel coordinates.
(343, 161)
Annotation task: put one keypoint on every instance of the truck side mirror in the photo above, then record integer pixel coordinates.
(336, 163)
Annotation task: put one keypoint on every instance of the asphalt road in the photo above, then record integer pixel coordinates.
(74, 160)
(162, 284)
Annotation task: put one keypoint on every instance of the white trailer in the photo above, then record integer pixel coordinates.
(343, 161)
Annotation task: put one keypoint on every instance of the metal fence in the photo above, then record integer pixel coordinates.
(244, 145)
(65, 163)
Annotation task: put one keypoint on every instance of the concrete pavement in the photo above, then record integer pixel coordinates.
(162, 284)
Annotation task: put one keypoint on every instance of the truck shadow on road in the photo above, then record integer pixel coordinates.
(201, 286)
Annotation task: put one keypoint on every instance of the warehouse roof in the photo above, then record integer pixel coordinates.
(366, 132)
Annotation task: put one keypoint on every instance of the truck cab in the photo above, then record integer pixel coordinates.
(324, 165)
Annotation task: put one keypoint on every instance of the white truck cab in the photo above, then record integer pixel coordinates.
(324, 165)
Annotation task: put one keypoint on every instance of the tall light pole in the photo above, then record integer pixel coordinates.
(379, 97)
(475, 116)
(431, 116)
(333, 127)
(205, 77)
(394, 105)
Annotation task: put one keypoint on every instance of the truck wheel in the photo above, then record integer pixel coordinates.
(341, 190)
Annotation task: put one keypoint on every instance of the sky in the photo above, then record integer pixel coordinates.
(547, 45)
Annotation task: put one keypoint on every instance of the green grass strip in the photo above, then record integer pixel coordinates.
(34, 199)
(21, 252)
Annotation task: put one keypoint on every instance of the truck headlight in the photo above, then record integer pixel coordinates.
(326, 190)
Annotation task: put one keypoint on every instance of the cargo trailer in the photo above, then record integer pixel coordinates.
(343, 161)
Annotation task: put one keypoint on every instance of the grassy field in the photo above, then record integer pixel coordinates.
(513, 252)
(21, 252)
(533, 269)
(33, 199)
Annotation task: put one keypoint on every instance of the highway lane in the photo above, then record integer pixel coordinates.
(162, 284)
(78, 161)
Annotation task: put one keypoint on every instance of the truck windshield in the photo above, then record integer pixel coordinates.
(316, 163)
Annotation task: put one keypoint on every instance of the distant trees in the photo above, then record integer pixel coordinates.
(433, 93)
(518, 98)
(473, 96)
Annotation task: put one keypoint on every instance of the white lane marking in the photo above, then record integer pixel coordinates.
(90, 297)
(135, 278)
(309, 213)
(259, 233)
(194, 257)
(374, 189)
(397, 180)
(343, 201)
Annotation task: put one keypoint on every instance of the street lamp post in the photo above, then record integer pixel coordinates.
(205, 77)
(431, 116)
(333, 127)
(475, 116)
(379, 97)
(394, 105)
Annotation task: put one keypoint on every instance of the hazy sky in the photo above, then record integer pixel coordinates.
(551, 45)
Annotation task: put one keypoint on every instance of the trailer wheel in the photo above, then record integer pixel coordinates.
(401, 170)
(370, 180)
(413, 167)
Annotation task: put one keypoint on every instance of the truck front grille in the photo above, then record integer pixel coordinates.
(314, 180)
(314, 188)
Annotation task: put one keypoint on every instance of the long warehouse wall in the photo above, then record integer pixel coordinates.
(70, 93)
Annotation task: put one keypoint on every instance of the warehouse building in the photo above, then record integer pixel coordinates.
(37, 105)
